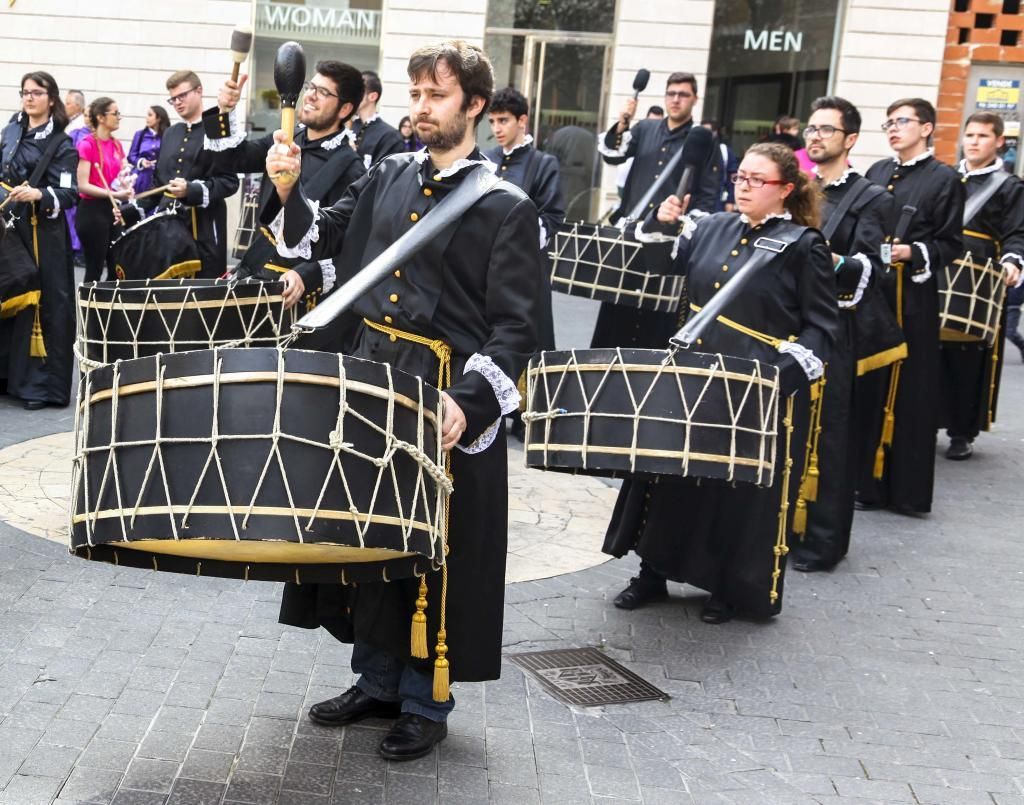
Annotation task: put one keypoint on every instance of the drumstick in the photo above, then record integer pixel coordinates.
(110, 193)
(152, 191)
(7, 200)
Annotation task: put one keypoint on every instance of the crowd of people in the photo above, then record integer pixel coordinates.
(847, 265)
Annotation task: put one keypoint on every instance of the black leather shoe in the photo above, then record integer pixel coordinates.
(867, 506)
(810, 565)
(959, 449)
(716, 611)
(351, 706)
(413, 736)
(34, 405)
(640, 593)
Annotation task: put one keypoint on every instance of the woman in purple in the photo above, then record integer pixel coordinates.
(146, 146)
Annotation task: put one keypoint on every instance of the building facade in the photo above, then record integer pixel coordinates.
(574, 59)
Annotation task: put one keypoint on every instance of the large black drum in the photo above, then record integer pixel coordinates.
(971, 294)
(158, 247)
(620, 412)
(607, 264)
(132, 319)
(260, 464)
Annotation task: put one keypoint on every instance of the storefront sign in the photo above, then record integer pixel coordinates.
(773, 40)
(328, 20)
(998, 94)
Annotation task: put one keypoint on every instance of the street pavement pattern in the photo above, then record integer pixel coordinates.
(897, 678)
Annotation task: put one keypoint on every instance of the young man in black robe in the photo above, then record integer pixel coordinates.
(855, 239)
(329, 165)
(375, 138)
(899, 473)
(476, 288)
(652, 144)
(195, 183)
(970, 368)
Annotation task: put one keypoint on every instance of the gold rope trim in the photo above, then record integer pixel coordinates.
(189, 268)
(881, 359)
(13, 306)
(764, 338)
(980, 235)
(781, 548)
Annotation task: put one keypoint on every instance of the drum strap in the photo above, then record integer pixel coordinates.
(764, 338)
(418, 640)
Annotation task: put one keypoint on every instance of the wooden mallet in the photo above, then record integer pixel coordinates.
(289, 76)
(241, 44)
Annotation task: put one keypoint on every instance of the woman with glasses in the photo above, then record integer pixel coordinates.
(145, 147)
(37, 172)
(103, 174)
(410, 142)
(724, 538)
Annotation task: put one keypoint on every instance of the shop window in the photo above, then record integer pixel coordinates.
(552, 15)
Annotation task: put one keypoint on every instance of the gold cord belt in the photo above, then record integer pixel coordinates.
(764, 338)
(442, 351)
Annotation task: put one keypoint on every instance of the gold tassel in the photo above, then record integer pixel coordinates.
(442, 686)
(800, 517)
(888, 428)
(36, 345)
(879, 463)
(419, 623)
(809, 488)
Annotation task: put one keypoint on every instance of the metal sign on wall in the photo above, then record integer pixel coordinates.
(318, 21)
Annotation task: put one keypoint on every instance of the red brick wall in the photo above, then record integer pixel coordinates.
(982, 45)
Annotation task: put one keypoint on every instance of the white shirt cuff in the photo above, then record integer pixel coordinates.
(303, 250)
(862, 284)
(627, 137)
(809, 362)
(925, 275)
(329, 275)
(206, 193)
(56, 204)
(504, 390)
(236, 134)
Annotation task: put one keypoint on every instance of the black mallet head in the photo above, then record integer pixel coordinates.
(289, 72)
(643, 76)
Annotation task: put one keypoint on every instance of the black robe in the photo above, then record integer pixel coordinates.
(536, 174)
(651, 144)
(42, 379)
(714, 534)
(476, 286)
(332, 154)
(970, 369)
(182, 156)
(909, 469)
(376, 140)
(858, 238)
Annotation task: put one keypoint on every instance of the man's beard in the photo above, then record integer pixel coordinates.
(446, 137)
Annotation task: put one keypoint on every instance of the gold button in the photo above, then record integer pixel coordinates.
(393, 338)
(734, 252)
(387, 320)
(725, 268)
(414, 217)
(660, 162)
(437, 177)
(179, 159)
(181, 149)
(184, 139)
(504, 167)
(663, 148)
(889, 188)
(718, 285)
(743, 241)
(427, 191)
(398, 272)
(700, 341)
(393, 297)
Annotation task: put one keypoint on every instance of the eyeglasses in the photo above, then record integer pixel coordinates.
(754, 181)
(824, 131)
(678, 95)
(115, 114)
(321, 92)
(181, 96)
(899, 123)
(32, 93)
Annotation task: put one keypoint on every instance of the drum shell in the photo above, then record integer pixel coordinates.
(141, 501)
(137, 318)
(608, 265)
(614, 441)
(158, 247)
(971, 297)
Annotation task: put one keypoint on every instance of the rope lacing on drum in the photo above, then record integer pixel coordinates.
(983, 289)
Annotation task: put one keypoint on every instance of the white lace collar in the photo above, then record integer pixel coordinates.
(459, 164)
(45, 131)
(368, 120)
(527, 140)
(919, 158)
(995, 166)
(841, 180)
(338, 139)
(784, 216)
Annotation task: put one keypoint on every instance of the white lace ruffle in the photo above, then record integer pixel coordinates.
(1009, 257)
(331, 143)
(206, 193)
(543, 233)
(603, 149)
(784, 216)
(919, 158)
(527, 140)
(809, 362)
(304, 249)
(56, 203)
(650, 237)
(925, 275)
(236, 135)
(504, 390)
(862, 283)
(841, 180)
(422, 155)
(44, 132)
(369, 120)
(995, 166)
(329, 275)
(484, 440)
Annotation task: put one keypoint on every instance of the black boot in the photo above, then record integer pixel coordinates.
(646, 588)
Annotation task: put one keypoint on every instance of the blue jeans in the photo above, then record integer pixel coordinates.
(388, 679)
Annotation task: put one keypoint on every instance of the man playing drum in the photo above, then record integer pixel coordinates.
(467, 302)
(971, 368)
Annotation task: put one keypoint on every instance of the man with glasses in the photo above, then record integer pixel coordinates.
(971, 369)
(855, 215)
(375, 138)
(900, 405)
(652, 144)
(192, 179)
(329, 166)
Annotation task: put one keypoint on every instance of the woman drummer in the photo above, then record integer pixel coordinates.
(38, 169)
(724, 538)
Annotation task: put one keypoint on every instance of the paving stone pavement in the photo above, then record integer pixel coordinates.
(897, 678)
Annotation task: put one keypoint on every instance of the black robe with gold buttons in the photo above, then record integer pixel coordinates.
(376, 140)
(651, 144)
(182, 156)
(861, 232)
(970, 369)
(475, 286)
(908, 476)
(716, 535)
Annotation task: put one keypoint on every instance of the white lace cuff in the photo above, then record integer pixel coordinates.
(206, 193)
(484, 440)
(304, 249)
(650, 237)
(925, 275)
(329, 275)
(236, 135)
(862, 284)
(1010, 257)
(809, 362)
(56, 203)
(689, 227)
(504, 390)
(603, 149)
(543, 234)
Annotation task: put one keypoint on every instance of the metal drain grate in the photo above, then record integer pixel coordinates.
(585, 676)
